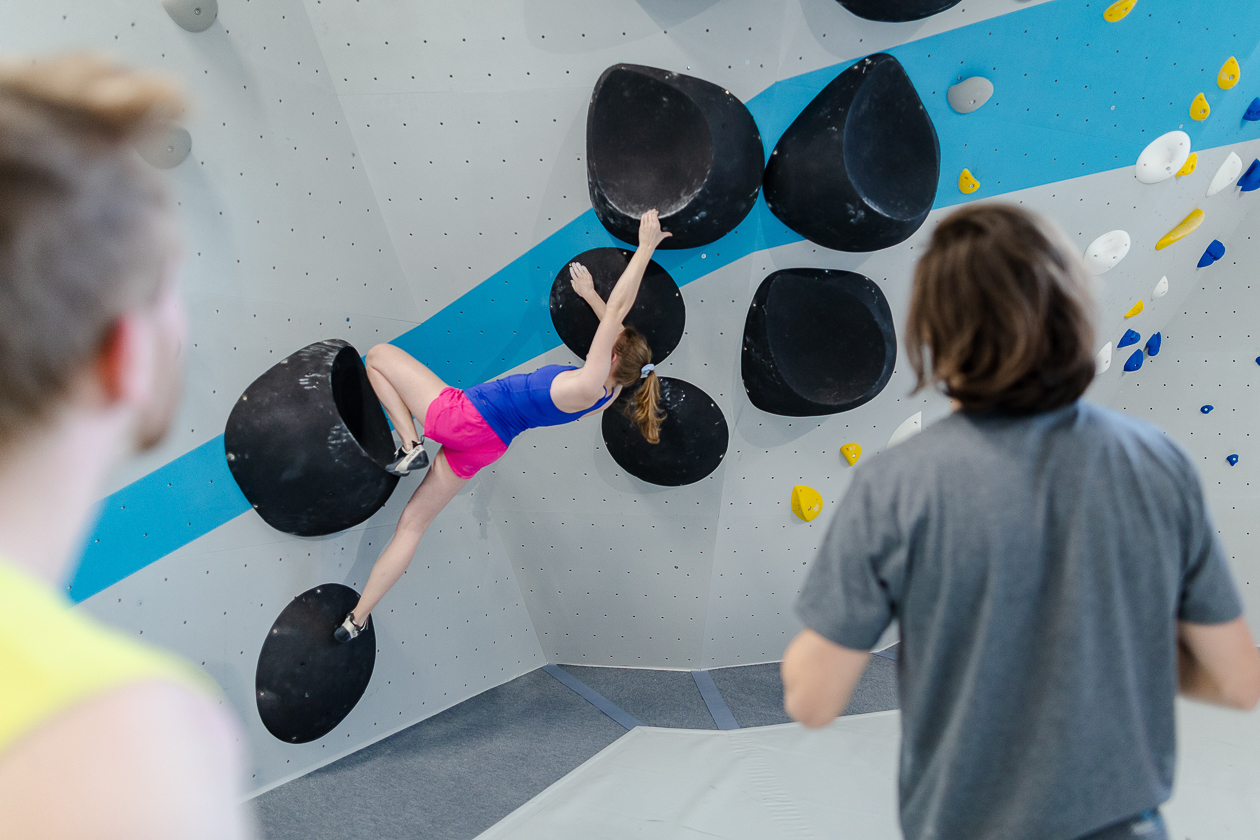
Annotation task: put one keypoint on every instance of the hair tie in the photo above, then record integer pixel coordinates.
(648, 368)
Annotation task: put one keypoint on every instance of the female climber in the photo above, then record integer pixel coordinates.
(476, 425)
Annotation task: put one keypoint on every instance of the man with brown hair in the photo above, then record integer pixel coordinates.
(99, 736)
(1051, 564)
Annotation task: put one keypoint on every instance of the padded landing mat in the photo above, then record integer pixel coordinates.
(773, 781)
(789, 782)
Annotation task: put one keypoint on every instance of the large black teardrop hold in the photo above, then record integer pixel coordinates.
(681, 145)
(694, 436)
(817, 341)
(307, 442)
(658, 314)
(857, 170)
(897, 11)
(307, 682)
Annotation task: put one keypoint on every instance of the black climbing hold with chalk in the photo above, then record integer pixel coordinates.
(306, 682)
(690, 149)
(659, 313)
(694, 436)
(897, 11)
(307, 442)
(817, 341)
(858, 169)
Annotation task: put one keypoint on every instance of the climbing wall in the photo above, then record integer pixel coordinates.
(416, 173)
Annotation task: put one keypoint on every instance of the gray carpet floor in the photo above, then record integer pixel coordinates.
(456, 774)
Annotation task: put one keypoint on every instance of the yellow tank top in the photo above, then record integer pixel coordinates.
(53, 657)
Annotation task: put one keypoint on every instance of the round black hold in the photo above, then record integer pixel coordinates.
(693, 437)
(307, 682)
(656, 139)
(658, 312)
(307, 442)
(817, 341)
(857, 170)
(897, 11)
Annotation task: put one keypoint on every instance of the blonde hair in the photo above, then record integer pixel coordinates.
(633, 353)
(86, 228)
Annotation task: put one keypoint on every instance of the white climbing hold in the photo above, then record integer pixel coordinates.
(1104, 252)
(1102, 362)
(1163, 157)
(969, 94)
(193, 15)
(1161, 288)
(166, 149)
(1229, 171)
(907, 430)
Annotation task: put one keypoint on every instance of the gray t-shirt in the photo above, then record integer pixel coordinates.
(1037, 566)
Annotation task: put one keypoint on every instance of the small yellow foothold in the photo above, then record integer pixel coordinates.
(807, 502)
(1118, 10)
(967, 182)
(1199, 108)
(1182, 230)
(1191, 163)
(1136, 310)
(851, 452)
(1229, 75)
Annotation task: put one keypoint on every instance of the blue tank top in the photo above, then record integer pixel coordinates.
(523, 401)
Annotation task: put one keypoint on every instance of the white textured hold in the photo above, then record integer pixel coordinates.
(1106, 251)
(1163, 157)
(1161, 288)
(969, 94)
(167, 149)
(1226, 175)
(193, 15)
(1102, 362)
(911, 427)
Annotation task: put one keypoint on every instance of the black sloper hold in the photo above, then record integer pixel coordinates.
(817, 341)
(857, 170)
(307, 682)
(307, 442)
(897, 11)
(658, 314)
(693, 437)
(681, 145)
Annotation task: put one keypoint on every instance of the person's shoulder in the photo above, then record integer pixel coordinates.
(1143, 438)
(146, 759)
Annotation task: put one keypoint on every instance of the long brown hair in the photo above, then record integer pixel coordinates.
(1002, 305)
(643, 408)
(86, 228)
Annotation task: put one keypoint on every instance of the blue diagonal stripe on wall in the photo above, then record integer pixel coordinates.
(1074, 96)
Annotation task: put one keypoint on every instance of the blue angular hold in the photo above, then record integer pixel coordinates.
(1215, 250)
(1207, 409)
(1233, 460)
(1253, 110)
(1130, 337)
(1152, 344)
(1251, 178)
(1135, 361)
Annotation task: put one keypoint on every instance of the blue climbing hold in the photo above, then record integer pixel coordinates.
(1130, 337)
(1152, 344)
(1135, 361)
(1251, 178)
(1207, 409)
(1253, 110)
(1215, 250)
(1233, 460)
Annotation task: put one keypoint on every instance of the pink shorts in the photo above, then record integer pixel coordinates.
(467, 439)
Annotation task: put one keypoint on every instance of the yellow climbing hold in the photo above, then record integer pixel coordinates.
(851, 452)
(807, 502)
(1229, 75)
(1191, 163)
(1118, 10)
(967, 182)
(1182, 230)
(1136, 310)
(1199, 108)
